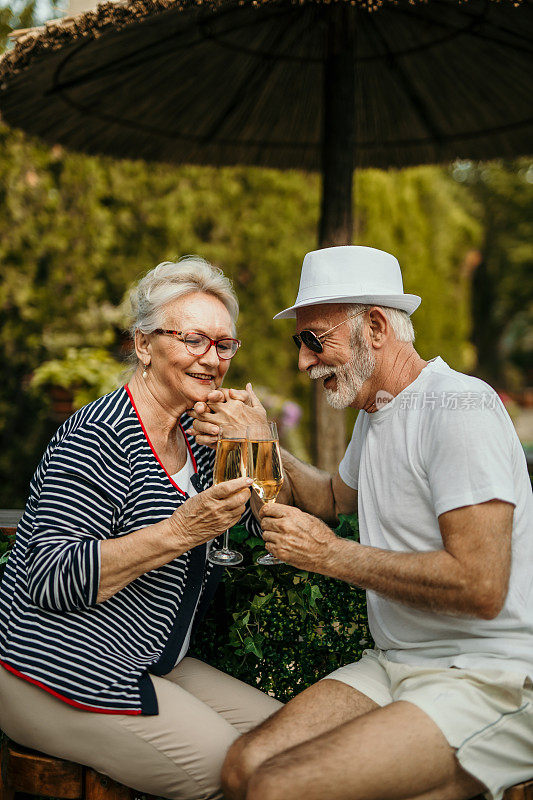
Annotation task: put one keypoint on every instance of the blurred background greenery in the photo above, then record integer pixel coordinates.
(77, 231)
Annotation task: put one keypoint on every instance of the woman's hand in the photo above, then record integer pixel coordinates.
(211, 512)
(239, 407)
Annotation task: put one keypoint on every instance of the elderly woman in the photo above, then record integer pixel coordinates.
(108, 576)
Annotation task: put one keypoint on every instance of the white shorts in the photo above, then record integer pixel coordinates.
(485, 715)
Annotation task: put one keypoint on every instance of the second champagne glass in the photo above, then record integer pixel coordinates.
(264, 467)
(230, 462)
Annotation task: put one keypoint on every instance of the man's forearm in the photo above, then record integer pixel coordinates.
(469, 575)
(433, 581)
(307, 488)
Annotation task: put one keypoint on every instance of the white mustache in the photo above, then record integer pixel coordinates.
(320, 371)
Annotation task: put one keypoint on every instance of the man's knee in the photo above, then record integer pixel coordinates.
(242, 759)
(267, 783)
(235, 770)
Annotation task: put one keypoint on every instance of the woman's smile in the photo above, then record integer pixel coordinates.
(202, 377)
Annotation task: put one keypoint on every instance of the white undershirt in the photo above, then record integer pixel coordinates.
(183, 479)
(184, 475)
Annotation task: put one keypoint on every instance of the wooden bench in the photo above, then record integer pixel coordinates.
(33, 773)
(9, 519)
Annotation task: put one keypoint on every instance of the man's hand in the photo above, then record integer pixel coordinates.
(239, 407)
(296, 538)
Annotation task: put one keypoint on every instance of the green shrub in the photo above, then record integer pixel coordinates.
(6, 544)
(282, 629)
(89, 372)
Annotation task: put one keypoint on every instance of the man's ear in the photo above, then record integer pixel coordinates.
(379, 327)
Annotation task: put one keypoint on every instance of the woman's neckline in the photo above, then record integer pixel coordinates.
(152, 448)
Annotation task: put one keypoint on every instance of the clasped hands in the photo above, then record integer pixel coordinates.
(297, 538)
(234, 407)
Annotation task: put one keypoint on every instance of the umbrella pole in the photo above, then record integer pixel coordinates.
(336, 212)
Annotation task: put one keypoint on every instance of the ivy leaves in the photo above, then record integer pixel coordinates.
(5, 546)
(283, 629)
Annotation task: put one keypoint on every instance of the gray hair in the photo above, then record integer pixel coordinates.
(399, 320)
(172, 279)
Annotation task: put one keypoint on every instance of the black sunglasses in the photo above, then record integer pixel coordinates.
(312, 341)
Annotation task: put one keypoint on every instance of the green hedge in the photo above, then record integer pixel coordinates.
(278, 628)
(5, 546)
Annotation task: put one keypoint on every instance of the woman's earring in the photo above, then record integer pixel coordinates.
(145, 370)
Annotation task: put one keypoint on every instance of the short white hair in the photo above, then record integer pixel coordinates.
(172, 279)
(399, 320)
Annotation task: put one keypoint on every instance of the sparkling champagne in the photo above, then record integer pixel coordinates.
(230, 460)
(265, 468)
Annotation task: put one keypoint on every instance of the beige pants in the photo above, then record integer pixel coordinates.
(177, 754)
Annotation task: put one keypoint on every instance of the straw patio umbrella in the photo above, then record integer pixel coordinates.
(311, 84)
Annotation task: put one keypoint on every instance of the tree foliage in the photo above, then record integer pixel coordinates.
(501, 197)
(75, 232)
(15, 15)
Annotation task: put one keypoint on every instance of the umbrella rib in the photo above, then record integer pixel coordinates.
(454, 31)
(274, 15)
(141, 54)
(397, 69)
(111, 66)
(247, 86)
(368, 146)
(500, 27)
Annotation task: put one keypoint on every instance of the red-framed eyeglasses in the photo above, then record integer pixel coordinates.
(198, 344)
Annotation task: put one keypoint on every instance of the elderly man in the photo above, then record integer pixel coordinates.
(442, 708)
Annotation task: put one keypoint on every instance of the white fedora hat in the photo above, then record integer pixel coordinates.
(351, 274)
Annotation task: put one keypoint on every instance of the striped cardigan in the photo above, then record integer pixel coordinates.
(98, 479)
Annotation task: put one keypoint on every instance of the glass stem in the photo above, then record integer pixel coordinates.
(225, 541)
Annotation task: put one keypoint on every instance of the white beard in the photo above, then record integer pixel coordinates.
(350, 376)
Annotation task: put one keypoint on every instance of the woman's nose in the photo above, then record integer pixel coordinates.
(210, 358)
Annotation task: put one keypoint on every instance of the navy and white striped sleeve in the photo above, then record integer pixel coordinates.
(82, 493)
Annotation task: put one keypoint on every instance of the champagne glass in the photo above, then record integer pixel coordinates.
(230, 462)
(264, 467)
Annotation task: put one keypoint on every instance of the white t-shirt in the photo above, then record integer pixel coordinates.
(446, 441)
(183, 479)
